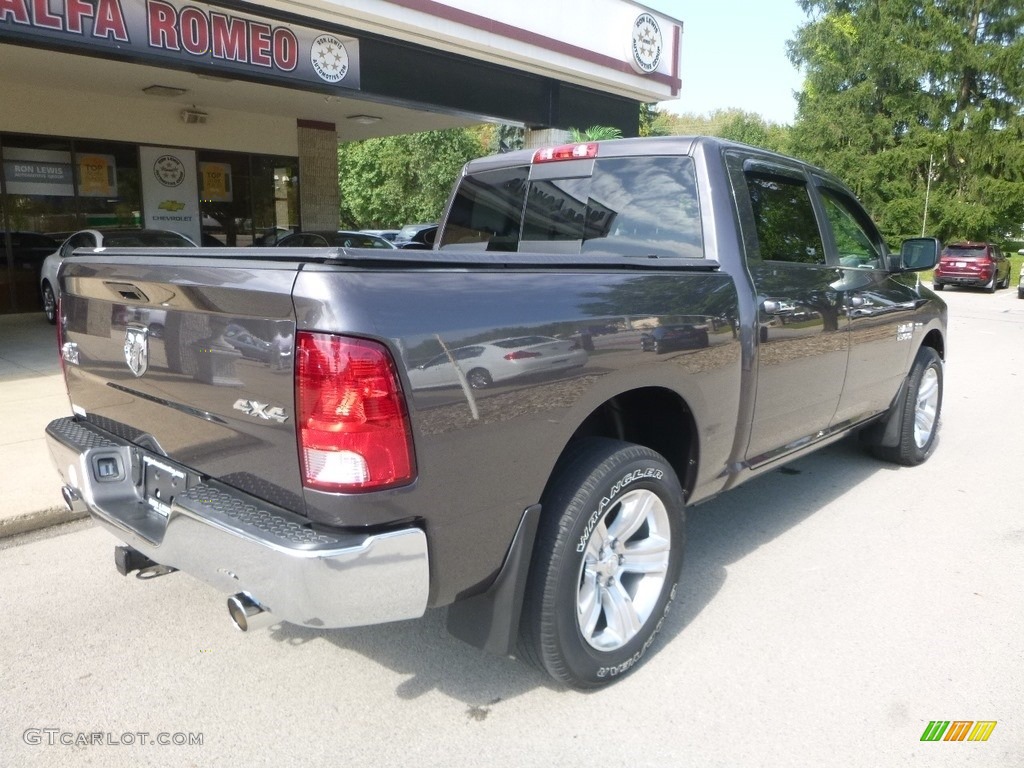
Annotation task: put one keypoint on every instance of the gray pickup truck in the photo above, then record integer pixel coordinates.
(510, 424)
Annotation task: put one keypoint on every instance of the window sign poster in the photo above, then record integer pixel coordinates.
(215, 182)
(170, 190)
(38, 172)
(97, 176)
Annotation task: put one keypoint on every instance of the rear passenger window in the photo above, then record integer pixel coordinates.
(636, 206)
(784, 220)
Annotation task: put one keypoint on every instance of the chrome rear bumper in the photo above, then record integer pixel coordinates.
(238, 543)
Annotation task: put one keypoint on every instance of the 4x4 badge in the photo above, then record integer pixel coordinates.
(136, 349)
(260, 410)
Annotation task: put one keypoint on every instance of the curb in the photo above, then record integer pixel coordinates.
(34, 521)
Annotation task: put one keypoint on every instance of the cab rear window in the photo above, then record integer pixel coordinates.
(635, 206)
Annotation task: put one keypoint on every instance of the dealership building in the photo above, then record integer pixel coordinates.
(223, 119)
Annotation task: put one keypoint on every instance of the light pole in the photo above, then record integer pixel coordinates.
(927, 193)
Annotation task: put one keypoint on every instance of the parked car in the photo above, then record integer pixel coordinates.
(252, 347)
(674, 337)
(331, 239)
(387, 234)
(1020, 278)
(101, 238)
(416, 236)
(978, 265)
(270, 236)
(496, 361)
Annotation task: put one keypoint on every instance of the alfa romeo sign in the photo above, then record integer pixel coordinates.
(190, 34)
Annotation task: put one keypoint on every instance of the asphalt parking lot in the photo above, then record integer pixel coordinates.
(828, 612)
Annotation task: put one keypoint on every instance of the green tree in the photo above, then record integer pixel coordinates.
(648, 115)
(899, 89)
(595, 133)
(396, 180)
(733, 124)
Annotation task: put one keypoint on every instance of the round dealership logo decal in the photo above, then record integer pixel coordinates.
(329, 58)
(169, 170)
(647, 43)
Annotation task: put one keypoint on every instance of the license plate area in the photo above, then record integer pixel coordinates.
(161, 483)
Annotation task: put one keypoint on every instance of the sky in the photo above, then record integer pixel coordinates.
(734, 55)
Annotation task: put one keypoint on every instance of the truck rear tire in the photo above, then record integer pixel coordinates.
(608, 553)
(919, 417)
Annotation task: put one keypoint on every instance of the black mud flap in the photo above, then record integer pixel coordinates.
(490, 620)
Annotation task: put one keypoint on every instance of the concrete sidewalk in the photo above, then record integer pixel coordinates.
(32, 394)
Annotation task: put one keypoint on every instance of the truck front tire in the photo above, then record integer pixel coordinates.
(919, 414)
(608, 553)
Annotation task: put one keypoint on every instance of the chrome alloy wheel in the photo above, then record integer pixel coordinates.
(927, 407)
(49, 304)
(625, 564)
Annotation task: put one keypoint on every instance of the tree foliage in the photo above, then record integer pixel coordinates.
(396, 180)
(733, 124)
(896, 88)
(595, 133)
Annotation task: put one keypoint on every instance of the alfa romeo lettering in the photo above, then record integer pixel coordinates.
(193, 34)
(107, 15)
(224, 37)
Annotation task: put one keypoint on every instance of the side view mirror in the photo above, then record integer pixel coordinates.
(919, 253)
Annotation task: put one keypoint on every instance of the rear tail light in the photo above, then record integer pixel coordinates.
(353, 426)
(521, 354)
(565, 152)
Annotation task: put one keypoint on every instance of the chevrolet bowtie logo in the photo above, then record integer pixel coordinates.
(171, 205)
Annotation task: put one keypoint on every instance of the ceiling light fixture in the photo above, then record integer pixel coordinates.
(364, 119)
(163, 90)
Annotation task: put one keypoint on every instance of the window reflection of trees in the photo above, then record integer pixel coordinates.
(786, 226)
(628, 206)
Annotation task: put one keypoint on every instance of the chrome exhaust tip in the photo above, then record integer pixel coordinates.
(72, 500)
(246, 613)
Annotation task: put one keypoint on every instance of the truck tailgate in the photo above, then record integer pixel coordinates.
(187, 370)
